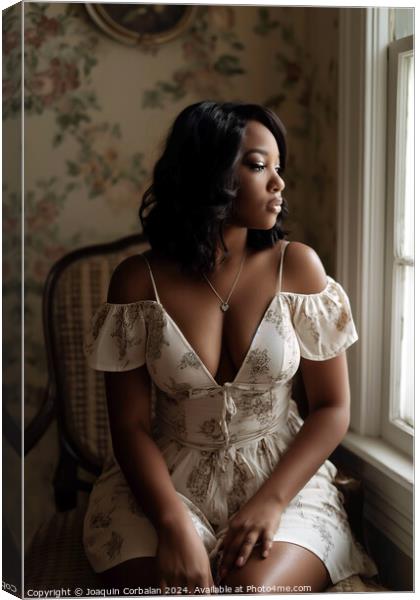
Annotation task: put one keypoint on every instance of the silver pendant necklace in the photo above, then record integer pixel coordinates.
(224, 306)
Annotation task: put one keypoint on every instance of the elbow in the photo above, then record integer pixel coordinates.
(343, 421)
(339, 418)
(123, 434)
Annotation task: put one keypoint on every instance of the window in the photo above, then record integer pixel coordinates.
(398, 416)
(374, 261)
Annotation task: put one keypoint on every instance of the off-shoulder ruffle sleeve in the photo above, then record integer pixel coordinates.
(116, 339)
(323, 322)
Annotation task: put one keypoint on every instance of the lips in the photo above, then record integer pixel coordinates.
(275, 204)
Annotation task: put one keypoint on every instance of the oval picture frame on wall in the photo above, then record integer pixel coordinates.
(137, 24)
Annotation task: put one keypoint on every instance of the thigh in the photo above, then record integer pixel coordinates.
(287, 565)
(134, 573)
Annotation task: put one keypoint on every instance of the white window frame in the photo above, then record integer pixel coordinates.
(396, 432)
(387, 472)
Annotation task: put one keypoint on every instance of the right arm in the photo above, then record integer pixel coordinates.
(182, 558)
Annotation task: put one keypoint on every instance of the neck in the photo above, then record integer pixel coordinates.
(235, 241)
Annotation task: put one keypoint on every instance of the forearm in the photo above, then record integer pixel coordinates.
(147, 474)
(320, 434)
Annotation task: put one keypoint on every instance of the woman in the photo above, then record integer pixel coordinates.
(226, 484)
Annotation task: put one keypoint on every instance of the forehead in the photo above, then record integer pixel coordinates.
(256, 135)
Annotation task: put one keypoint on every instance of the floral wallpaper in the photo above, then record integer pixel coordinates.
(11, 294)
(96, 114)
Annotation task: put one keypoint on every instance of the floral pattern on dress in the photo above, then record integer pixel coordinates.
(266, 454)
(297, 504)
(113, 545)
(211, 429)
(337, 312)
(199, 478)
(157, 334)
(342, 320)
(337, 514)
(189, 359)
(318, 523)
(257, 405)
(313, 328)
(100, 320)
(258, 361)
(101, 519)
(125, 330)
(279, 321)
(323, 322)
(178, 389)
(238, 494)
(178, 423)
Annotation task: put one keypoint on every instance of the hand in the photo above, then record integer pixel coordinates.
(256, 522)
(182, 559)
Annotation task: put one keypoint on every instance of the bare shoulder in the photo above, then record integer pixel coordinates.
(130, 281)
(303, 271)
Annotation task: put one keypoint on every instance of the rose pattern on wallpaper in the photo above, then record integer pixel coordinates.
(56, 70)
(90, 162)
(212, 53)
(102, 167)
(12, 58)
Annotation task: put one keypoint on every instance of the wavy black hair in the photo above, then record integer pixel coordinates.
(194, 184)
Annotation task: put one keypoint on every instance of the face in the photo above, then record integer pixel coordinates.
(258, 201)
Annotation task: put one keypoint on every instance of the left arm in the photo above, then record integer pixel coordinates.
(328, 394)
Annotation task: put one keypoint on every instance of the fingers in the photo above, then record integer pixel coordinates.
(238, 548)
(267, 544)
(246, 547)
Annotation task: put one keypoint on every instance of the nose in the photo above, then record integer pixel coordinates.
(277, 183)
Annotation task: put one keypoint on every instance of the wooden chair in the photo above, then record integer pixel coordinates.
(75, 396)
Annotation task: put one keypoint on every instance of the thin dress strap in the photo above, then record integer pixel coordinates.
(153, 279)
(284, 245)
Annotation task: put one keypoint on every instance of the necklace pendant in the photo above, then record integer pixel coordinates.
(224, 306)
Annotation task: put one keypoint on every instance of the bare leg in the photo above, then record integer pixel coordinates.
(286, 565)
(134, 573)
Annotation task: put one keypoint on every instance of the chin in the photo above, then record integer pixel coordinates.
(266, 223)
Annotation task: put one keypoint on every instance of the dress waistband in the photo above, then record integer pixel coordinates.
(222, 417)
(168, 429)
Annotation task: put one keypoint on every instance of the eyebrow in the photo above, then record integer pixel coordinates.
(260, 150)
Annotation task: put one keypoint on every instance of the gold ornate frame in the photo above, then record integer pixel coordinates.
(133, 37)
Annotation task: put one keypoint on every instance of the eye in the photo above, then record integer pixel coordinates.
(259, 167)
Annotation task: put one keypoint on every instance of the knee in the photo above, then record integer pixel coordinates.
(135, 573)
(248, 580)
(255, 581)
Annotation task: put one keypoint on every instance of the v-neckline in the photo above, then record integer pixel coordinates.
(202, 365)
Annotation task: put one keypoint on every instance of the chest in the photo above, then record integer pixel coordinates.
(271, 354)
(220, 341)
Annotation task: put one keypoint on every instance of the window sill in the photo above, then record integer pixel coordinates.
(389, 461)
(388, 477)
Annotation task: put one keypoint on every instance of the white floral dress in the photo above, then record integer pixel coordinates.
(221, 442)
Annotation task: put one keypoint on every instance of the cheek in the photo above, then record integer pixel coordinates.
(245, 203)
